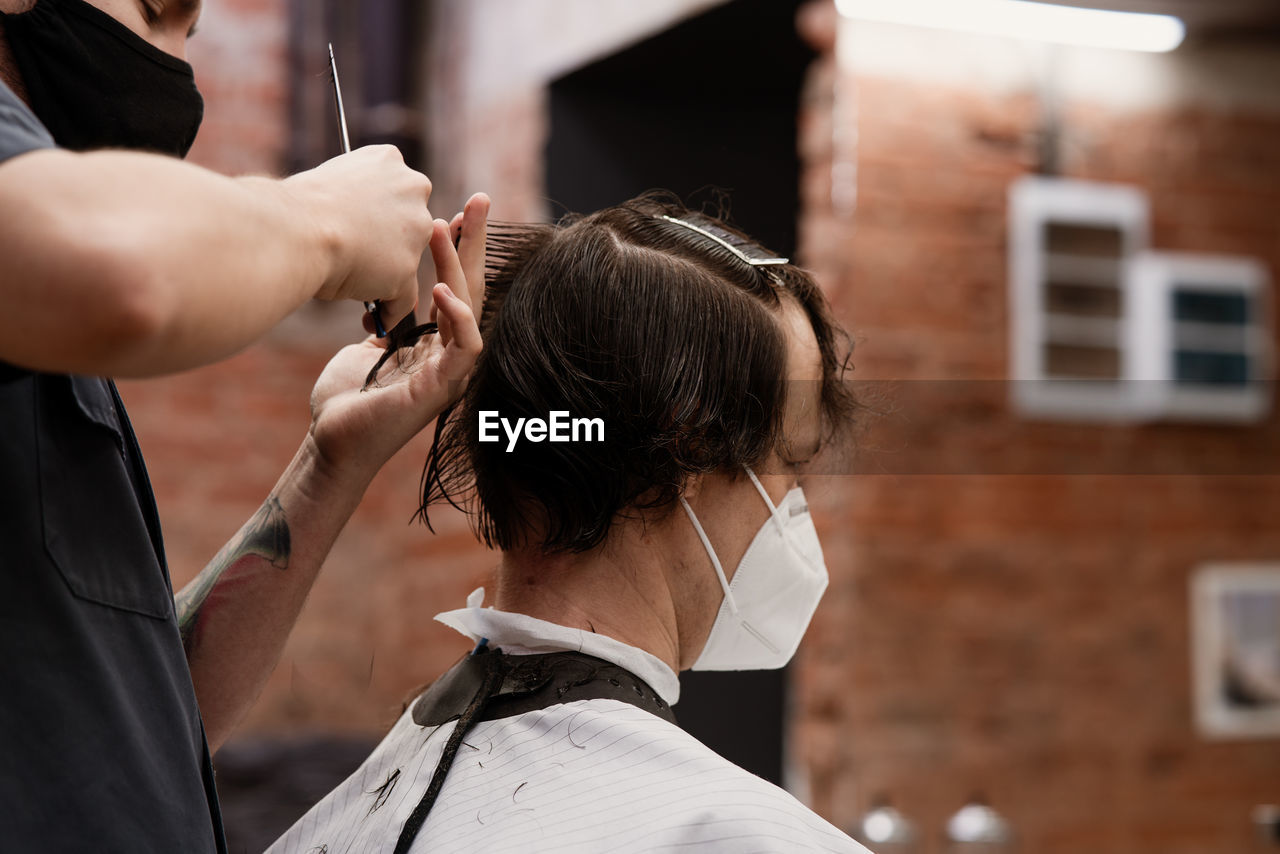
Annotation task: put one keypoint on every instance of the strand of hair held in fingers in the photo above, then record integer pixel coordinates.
(403, 336)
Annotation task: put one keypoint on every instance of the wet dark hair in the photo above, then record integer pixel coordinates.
(667, 336)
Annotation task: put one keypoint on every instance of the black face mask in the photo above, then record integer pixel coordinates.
(95, 83)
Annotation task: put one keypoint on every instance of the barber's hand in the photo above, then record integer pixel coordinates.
(374, 210)
(355, 432)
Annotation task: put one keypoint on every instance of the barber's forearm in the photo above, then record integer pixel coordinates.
(237, 613)
(134, 265)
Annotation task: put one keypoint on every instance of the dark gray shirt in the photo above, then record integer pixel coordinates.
(101, 744)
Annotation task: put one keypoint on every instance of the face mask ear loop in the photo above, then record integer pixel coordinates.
(715, 561)
(777, 517)
(773, 510)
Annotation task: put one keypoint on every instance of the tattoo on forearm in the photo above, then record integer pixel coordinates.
(265, 536)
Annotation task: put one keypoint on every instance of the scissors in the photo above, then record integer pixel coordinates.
(375, 307)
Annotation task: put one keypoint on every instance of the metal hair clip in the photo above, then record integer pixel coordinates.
(754, 262)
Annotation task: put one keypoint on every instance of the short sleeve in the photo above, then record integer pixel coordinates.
(20, 130)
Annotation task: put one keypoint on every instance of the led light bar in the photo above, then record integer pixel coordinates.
(1026, 20)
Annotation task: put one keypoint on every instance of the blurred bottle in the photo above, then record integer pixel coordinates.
(885, 830)
(1266, 818)
(976, 828)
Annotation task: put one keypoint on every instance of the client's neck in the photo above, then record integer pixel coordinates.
(619, 590)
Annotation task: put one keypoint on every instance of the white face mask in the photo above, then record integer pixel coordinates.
(774, 591)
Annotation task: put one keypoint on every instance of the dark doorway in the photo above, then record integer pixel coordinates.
(707, 106)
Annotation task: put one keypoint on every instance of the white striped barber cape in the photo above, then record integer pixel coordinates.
(587, 776)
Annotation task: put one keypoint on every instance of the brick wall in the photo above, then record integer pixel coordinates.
(1025, 637)
(239, 55)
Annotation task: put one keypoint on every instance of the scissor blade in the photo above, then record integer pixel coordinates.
(337, 97)
(345, 140)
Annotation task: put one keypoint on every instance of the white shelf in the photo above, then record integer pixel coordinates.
(1081, 331)
(1061, 268)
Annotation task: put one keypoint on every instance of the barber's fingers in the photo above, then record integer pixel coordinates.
(455, 234)
(444, 325)
(448, 267)
(435, 263)
(460, 264)
(470, 241)
(459, 333)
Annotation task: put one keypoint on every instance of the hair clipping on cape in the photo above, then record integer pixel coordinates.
(744, 257)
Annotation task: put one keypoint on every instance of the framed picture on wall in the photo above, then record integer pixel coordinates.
(1235, 616)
